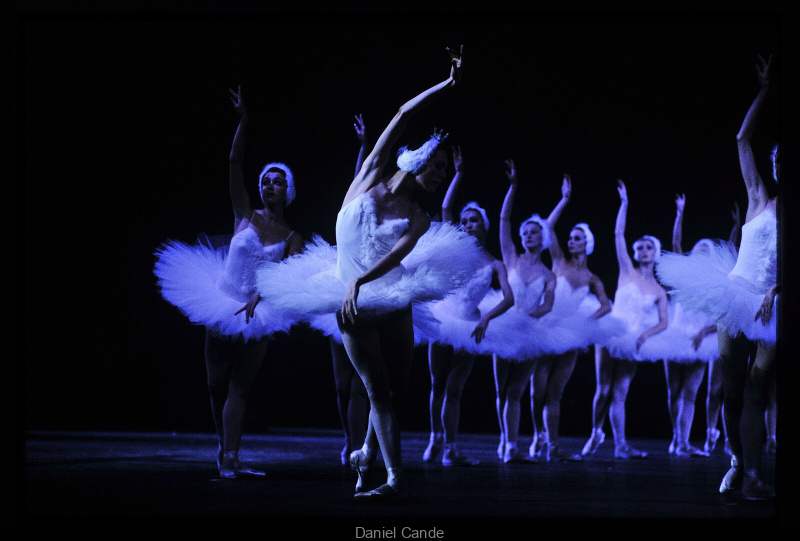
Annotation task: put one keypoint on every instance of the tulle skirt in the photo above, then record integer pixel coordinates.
(672, 344)
(443, 259)
(188, 275)
(700, 283)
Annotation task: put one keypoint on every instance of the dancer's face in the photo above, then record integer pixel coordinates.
(532, 236)
(577, 241)
(645, 251)
(433, 172)
(273, 188)
(472, 223)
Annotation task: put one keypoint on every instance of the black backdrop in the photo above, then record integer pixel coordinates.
(124, 128)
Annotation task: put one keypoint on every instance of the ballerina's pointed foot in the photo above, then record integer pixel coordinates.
(359, 463)
(625, 452)
(554, 453)
(451, 457)
(688, 450)
(538, 445)
(733, 477)
(386, 492)
(753, 488)
(596, 439)
(772, 445)
(673, 445)
(433, 449)
(712, 435)
(230, 467)
(513, 456)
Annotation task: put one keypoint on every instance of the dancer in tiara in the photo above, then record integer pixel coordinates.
(684, 375)
(460, 337)
(581, 291)
(642, 304)
(532, 331)
(741, 295)
(216, 288)
(388, 256)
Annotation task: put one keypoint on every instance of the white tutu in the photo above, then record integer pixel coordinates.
(703, 283)
(209, 285)
(726, 288)
(639, 312)
(314, 283)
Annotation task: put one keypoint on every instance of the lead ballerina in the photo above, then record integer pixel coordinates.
(741, 296)
(388, 256)
(216, 288)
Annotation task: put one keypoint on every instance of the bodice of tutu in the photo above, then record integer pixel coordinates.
(527, 296)
(361, 241)
(637, 308)
(466, 299)
(245, 254)
(757, 263)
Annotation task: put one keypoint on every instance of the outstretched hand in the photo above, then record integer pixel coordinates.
(512, 172)
(566, 187)
(458, 162)
(360, 127)
(623, 193)
(238, 102)
(737, 219)
(762, 70)
(456, 63)
(680, 202)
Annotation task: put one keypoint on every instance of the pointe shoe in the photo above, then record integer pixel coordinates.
(754, 488)
(385, 492)
(733, 478)
(686, 449)
(553, 453)
(452, 458)
(712, 435)
(359, 463)
(624, 451)
(597, 438)
(727, 448)
(772, 445)
(501, 449)
(537, 448)
(513, 456)
(231, 468)
(673, 445)
(431, 452)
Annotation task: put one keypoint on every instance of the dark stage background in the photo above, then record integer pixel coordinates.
(124, 129)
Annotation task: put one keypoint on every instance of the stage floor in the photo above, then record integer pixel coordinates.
(154, 479)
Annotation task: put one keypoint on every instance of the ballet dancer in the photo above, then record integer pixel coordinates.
(741, 295)
(587, 296)
(461, 335)
(641, 302)
(388, 256)
(217, 289)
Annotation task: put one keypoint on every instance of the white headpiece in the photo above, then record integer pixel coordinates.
(708, 243)
(589, 236)
(472, 205)
(655, 241)
(290, 191)
(535, 218)
(411, 161)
